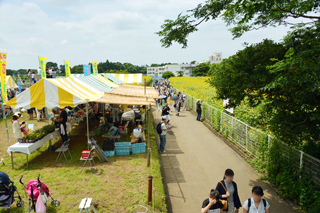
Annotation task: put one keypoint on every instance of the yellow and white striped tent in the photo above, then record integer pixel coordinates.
(135, 78)
(58, 92)
(106, 81)
(10, 82)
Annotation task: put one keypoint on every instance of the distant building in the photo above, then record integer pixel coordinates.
(174, 68)
(186, 68)
(215, 58)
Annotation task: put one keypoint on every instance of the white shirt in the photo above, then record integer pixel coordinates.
(163, 127)
(39, 71)
(50, 71)
(253, 208)
(16, 129)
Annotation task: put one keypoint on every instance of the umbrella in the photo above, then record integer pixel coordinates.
(163, 96)
(174, 98)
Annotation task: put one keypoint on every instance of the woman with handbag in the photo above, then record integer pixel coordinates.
(229, 193)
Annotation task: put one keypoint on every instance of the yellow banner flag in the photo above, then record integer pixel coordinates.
(3, 69)
(43, 63)
(67, 68)
(94, 68)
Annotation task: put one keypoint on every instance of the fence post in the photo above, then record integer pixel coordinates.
(246, 137)
(220, 121)
(301, 161)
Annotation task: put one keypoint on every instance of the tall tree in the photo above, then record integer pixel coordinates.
(246, 15)
(167, 74)
(201, 70)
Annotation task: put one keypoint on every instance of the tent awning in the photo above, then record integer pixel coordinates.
(122, 99)
(58, 92)
(95, 83)
(113, 78)
(106, 81)
(136, 91)
(129, 78)
(10, 82)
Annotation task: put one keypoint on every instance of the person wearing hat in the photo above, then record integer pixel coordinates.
(163, 135)
(63, 124)
(16, 127)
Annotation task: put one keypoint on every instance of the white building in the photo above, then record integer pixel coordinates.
(215, 58)
(186, 68)
(174, 68)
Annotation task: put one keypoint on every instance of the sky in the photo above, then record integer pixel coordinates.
(82, 31)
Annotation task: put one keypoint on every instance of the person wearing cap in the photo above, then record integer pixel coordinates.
(16, 126)
(63, 124)
(163, 135)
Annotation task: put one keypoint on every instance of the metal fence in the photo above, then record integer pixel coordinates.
(253, 140)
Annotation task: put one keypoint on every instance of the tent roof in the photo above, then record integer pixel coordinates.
(128, 78)
(113, 78)
(136, 91)
(58, 92)
(95, 83)
(10, 82)
(106, 81)
(122, 99)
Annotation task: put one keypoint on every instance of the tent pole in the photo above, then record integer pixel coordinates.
(87, 124)
(5, 120)
(149, 144)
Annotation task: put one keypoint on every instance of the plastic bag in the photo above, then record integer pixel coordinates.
(40, 207)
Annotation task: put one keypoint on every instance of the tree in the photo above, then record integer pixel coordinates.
(246, 15)
(52, 64)
(167, 74)
(201, 70)
(180, 73)
(192, 62)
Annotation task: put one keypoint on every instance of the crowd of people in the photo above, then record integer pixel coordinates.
(224, 198)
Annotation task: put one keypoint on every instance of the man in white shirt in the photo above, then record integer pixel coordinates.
(163, 135)
(256, 204)
(39, 71)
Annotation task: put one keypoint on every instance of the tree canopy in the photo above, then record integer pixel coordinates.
(167, 74)
(201, 70)
(244, 15)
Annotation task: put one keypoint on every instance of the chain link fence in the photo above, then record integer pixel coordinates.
(253, 140)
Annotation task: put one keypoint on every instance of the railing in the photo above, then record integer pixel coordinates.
(253, 140)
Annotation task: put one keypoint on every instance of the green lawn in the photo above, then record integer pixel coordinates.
(115, 187)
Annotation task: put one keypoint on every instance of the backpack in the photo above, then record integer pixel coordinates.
(263, 200)
(159, 129)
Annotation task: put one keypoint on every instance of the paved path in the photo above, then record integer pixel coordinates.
(196, 160)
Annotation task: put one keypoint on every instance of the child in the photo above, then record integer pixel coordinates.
(33, 77)
(212, 204)
(256, 204)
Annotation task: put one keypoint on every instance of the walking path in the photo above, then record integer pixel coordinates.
(196, 160)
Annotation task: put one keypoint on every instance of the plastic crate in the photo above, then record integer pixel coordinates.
(138, 148)
(122, 150)
(128, 144)
(109, 153)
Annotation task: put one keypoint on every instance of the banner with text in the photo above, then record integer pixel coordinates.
(67, 68)
(94, 68)
(3, 69)
(43, 64)
(86, 70)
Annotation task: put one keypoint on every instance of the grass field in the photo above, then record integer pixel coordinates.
(116, 186)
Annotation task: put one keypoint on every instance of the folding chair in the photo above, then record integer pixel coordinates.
(89, 159)
(115, 137)
(143, 118)
(64, 148)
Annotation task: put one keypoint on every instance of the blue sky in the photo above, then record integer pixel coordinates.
(124, 30)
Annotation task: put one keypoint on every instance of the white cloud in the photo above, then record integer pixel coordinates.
(124, 30)
(64, 41)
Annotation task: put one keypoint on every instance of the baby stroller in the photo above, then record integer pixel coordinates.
(7, 190)
(36, 189)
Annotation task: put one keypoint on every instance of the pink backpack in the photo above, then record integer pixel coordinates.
(36, 188)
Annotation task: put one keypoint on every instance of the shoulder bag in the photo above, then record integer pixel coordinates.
(224, 202)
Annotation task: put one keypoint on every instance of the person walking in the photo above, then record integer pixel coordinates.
(199, 110)
(229, 191)
(163, 135)
(63, 124)
(256, 204)
(165, 113)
